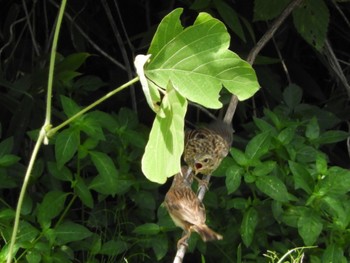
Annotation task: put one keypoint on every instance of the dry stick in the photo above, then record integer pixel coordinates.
(234, 100)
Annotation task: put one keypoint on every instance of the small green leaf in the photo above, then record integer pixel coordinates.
(144, 200)
(68, 232)
(239, 157)
(33, 256)
(286, 135)
(71, 62)
(331, 137)
(249, 223)
(311, 19)
(334, 253)
(62, 173)
(321, 164)
(301, 176)
(83, 192)
(91, 127)
(88, 83)
(160, 246)
(6, 146)
(263, 125)
(312, 129)
(233, 178)
(273, 187)
(66, 145)
(292, 95)
(147, 229)
(27, 232)
(8, 160)
(230, 17)
(51, 206)
(306, 154)
(264, 168)
(107, 180)
(309, 226)
(113, 248)
(69, 106)
(335, 182)
(166, 140)
(267, 10)
(258, 146)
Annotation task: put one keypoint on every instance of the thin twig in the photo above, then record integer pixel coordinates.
(282, 60)
(234, 101)
(91, 42)
(36, 49)
(122, 50)
(257, 48)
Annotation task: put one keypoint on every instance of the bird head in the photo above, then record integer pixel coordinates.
(203, 164)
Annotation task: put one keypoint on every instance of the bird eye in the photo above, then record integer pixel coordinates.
(206, 160)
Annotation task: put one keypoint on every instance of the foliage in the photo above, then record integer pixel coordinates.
(284, 185)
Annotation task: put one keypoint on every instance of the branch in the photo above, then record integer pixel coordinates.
(256, 49)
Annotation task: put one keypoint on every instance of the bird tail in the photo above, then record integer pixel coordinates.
(206, 233)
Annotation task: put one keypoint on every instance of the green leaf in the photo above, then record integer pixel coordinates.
(249, 223)
(309, 226)
(27, 232)
(273, 187)
(83, 192)
(334, 253)
(321, 164)
(51, 206)
(312, 129)
(331, 137)
(197, 61)
(113, 248)
(71, 62)
(107, 181)
(106, 120)
(306, 154)
(233, 178)
(68, 232)
(33, 256)
(267, 10)
(239, 157)
(62, 173)
(88, 83)
(230, 17)
(166, 140)
(8, 160)
(286, 135)
(292, 96)
(6, 146)
(144, 199)
(200, 4)
(147, 229)
(160, 246)
(91, 127)
(301, 176)
(263, 125)
(335, 182)
(258, 146)
(66, 145)
(264, 168)
(69, 106)
(311, 19)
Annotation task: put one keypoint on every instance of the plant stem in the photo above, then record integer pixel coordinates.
(42, 134)
(52, 131)
(52, 63)
(22, 193)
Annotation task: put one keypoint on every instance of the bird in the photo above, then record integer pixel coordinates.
(206, 147)
(186, 210)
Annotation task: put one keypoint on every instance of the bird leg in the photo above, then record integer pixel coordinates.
(183, 240)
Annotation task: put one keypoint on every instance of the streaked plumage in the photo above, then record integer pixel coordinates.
(206, 147)
(186, 210)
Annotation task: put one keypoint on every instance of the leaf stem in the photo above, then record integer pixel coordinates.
(52, 131)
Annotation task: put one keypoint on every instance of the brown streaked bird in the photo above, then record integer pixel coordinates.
(206, 147)
(186, 210)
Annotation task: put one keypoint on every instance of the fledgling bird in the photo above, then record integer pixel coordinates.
(186, 210)
(206, 147)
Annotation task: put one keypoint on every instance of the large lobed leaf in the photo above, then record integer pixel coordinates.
(197, 61)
